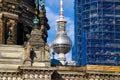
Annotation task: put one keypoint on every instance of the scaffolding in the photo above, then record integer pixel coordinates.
(97, 29)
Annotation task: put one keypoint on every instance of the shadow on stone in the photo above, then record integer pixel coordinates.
(56, 76)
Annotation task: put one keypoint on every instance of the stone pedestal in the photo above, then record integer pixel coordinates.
(40, 59)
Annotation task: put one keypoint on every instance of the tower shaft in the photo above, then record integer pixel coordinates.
(62, 43)
(61, 22)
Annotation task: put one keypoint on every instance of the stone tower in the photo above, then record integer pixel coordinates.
(38, 39)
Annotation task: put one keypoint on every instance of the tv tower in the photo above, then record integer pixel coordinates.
(61, 43)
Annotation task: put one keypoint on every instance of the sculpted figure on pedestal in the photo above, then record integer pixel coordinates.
(28, 49)
(47, 52)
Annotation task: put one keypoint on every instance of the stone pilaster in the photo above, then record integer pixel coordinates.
(1, 29)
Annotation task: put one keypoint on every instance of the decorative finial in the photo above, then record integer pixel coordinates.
(61, 9)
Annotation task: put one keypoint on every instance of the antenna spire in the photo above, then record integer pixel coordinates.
(61, 9)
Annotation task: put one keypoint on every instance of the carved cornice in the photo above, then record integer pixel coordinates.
(17, 8)
(9, 15)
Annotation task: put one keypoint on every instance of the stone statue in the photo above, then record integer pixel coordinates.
(42, 30)
(47, 52)
(28, 49)
(10, 29)
(9, 34)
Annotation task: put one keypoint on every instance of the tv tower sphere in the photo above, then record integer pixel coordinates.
(62, 43)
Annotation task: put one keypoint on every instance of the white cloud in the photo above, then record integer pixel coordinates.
(51, 16)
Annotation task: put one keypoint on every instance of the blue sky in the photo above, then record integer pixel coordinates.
(52, 12)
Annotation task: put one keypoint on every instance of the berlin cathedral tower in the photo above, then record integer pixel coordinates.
(25, 53)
